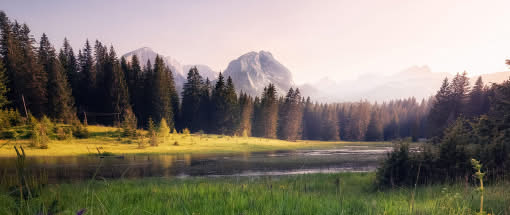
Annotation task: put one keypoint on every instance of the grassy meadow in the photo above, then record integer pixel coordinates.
(109, 139)
(343, 193)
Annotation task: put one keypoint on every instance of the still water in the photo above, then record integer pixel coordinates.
(66, 169)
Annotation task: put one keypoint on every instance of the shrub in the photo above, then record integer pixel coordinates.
(186, 131)
(39, 134)
(163, 131)
(153, 139)
(8, 134)
(79, 130)
(129, 124)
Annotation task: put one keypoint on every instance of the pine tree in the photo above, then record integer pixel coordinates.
(441, 112)
(246, 115)
(70, 63)
(3, 87)
(174, 97)
(32, 79)
(232, 108)
(375, 128)
(86, 93)
(60, 100)
(291, 116)
(269, 111)
(136, 87)
(329, 126)
(459, 95)
(191, 95)
(478, 101)
(205, 106)
(160, 97)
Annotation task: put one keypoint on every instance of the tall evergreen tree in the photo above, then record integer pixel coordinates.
(161, 100)
(205, 108)
(441, 111)
(191, 95)
(375, 127)
(70, 64)
(31, 79)
(60, 100)
(291, 116)
(329, 126)
(85, 98)
(459, 94)
(232, 108)
(3, 87)
(269, 112)
(478, 100)
(246, 115)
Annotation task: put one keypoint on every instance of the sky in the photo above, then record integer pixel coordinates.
(339, 39)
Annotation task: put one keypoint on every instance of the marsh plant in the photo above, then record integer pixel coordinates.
(479, 176)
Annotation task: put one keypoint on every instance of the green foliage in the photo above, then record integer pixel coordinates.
(153, 139)
(129, 124)
(479, 175)
(64, 133)
(79, 130)
(186, 132)
(39, 133)
(9, 118)
(163, 130)
(344, 193)
(3, 86)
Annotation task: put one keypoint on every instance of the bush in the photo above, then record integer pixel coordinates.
(64, 133)
(186, 131)
(39, 134)
(78, 130)
(8, 134)
(129, 124)
(164, 131)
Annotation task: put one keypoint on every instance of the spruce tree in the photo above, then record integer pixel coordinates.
(160, 98)
(269, 111)
(60, 100)
(478, 100)
(441, 112)
(232, 108)
(246, 115)
(3, 87)
(375, 127)
(86, 94)
(291, 116)
(191, 95)
(218, 104)
(32, 79)
(70, 63)
(205, 108)
(329, 126)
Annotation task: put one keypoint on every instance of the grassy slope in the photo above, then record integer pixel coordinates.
(301, 194)
(108, 139)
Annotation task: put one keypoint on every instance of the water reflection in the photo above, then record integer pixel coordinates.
(65, 169)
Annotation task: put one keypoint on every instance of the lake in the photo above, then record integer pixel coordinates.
(67, 169)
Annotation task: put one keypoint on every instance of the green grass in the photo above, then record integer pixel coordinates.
(109, 140)
(346, 193)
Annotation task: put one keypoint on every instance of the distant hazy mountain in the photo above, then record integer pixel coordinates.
(254, 70)
(180, 71)
(417, 81)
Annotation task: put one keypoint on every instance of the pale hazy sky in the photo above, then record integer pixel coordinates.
(339, 39)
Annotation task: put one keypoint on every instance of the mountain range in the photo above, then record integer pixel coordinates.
(253, 71)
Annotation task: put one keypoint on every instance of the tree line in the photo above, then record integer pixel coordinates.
(465, 123)
(95, 86)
